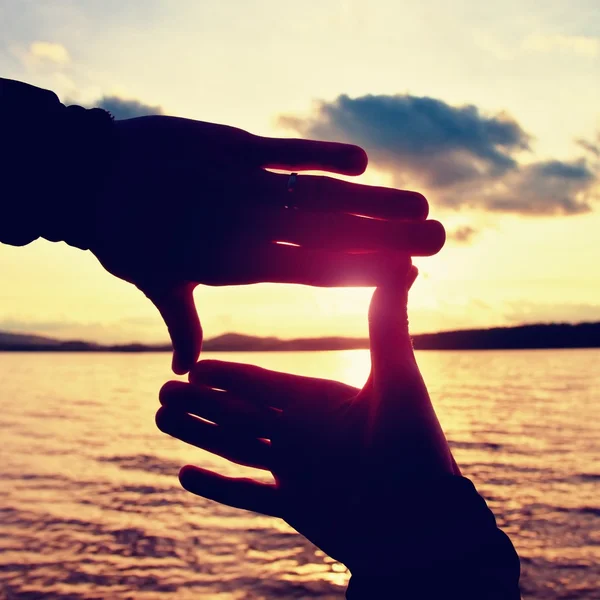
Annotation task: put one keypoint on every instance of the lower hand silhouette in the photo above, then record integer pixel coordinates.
(331, 447)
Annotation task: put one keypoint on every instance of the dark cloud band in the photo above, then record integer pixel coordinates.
(458, 155)
(127, 109)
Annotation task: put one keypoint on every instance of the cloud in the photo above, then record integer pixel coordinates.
(544, 188)
(121, 108)
(45, 56)
(576, 44)
(590, 147)
(462, 235)
(458, 155)
(461, 141)
(48, 51)
(530, 312)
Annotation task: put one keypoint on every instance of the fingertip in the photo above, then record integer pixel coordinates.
(421, 206)
(184, 471)
(160, 418)
(437, 237)
(168, 389)
(175, 302)
(176, 367)
(187, 477)
(182, 364)
(171, 420)
(357, 160)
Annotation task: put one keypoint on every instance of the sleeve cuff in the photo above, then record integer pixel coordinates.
(435, 539)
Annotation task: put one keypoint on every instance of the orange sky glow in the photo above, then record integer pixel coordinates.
(266, 66)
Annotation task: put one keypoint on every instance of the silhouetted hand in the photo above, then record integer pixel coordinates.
(167, 203)
(191, 202)
(333, 450)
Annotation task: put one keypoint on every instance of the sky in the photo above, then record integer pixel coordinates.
(492, 110)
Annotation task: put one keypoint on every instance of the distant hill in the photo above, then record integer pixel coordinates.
(233, 342)
(9, 339)
(555, 335)
(558, 335)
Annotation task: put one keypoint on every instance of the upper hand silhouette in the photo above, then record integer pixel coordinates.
(191, 202)
(166, 203)
(333, 450)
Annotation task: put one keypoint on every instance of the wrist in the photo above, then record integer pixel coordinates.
(418, 523)
(437, 538)
(86, 149)
(25, 112)
(57, 160)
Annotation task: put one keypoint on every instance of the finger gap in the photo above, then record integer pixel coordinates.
(366, 217)
(203, 420)
(283, 243)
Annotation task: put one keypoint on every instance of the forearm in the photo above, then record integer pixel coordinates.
(441, 543)
(50, 167)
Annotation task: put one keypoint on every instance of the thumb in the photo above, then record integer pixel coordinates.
(178, 310)
(390, 343)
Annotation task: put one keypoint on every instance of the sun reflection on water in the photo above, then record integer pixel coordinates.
(91, 506)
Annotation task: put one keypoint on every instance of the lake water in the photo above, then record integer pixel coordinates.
(90, 505)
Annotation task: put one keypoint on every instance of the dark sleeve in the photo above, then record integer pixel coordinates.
(50, 169)
(436, 540)
(25, 116)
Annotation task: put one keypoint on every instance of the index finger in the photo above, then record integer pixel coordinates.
(309, 155)
(263, 386)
